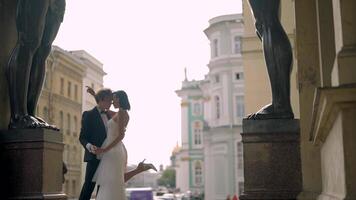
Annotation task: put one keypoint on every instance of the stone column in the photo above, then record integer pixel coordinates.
(272, 168)
(307, 45)
(31, 164)
(344, 70)
(8, 38)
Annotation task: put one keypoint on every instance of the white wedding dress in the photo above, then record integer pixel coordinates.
(110, 173)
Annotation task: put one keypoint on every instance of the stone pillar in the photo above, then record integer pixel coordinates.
(8, 38)
(308, 79)
(31, 164)
(272, 168)
(344, 70)
(334, 130)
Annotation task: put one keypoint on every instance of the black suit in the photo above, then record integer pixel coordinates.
(93, 131)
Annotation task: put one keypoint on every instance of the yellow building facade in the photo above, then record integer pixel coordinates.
(60, 103)
(257, 87)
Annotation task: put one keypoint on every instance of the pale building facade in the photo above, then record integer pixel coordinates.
(212, 112)
(257, 86)
(223, 91)
(93, 77)
(188, 160)
(60, 103)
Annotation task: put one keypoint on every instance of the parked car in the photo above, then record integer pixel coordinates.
(139, 194)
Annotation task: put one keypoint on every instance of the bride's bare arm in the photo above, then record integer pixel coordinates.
(140, 168)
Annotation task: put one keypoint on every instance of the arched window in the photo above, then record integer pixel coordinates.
(198, 173)
(217, 107)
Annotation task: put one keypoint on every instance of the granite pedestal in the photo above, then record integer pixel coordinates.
(31, 164)
(272, 168)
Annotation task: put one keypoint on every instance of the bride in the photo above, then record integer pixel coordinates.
(111, 174)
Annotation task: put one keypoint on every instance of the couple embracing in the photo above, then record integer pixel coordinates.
(106, 156)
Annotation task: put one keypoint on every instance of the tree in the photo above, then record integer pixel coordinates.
(168, 178)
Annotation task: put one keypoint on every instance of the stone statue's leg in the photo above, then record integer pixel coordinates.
(278, 57)
(54, 19)
(30, 21)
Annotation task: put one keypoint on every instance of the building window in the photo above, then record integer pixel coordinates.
(215, 48)
(65, 153)
(239, 76)
(217, 107)
(197, 109)
(68, 124)
(197, 133)
(237, 45)
(240, 163)
(76, 92)
(75, 125)
(217, 78)
(69, 88)
(45, 113)
(62, 86)
(61, 120)
(198, 173)
(240, 107)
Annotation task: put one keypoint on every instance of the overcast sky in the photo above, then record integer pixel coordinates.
(145, 46)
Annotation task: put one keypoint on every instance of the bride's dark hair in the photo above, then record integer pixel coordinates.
(123, 99)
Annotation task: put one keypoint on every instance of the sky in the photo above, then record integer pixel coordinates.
(144, 47)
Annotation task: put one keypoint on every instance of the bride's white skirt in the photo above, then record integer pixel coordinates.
(110, 174)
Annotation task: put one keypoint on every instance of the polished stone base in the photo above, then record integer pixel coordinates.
(31, 164)
(272, 168)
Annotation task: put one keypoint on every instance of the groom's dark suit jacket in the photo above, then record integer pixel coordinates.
(93, 131)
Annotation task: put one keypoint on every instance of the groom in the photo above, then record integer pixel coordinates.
(92, 135)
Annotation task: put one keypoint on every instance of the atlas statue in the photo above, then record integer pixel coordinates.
(278, 58)
(37, 24)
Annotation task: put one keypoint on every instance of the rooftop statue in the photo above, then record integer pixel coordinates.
(37, 24)
(278, 57)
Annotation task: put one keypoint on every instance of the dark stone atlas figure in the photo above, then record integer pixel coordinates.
(37, 23)
(278, 58)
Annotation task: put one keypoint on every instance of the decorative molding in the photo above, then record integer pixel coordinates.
(328, 102)
(184, 104)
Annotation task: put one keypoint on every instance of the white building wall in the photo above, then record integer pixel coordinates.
(182, 172)
(184, 124)
(221, 174)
